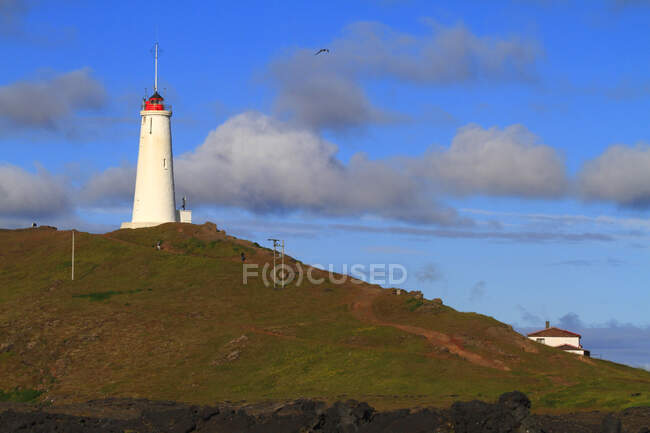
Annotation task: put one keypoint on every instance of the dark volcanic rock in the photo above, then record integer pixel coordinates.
(43, 422)
(511, 414)
(422, 421)
(611, 424)
(516, 404)
(173, 420)
(346, 417)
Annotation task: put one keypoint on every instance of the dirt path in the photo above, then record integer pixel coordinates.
(362, 307)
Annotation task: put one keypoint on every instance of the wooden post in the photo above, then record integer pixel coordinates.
(72, 255)
(283, 272)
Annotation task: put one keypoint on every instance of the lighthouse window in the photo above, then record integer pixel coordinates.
(150, 124)
(165, 163)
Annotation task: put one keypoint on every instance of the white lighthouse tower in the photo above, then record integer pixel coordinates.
(154, 200)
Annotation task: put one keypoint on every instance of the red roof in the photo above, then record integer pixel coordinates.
(569, 347)
(554, 332)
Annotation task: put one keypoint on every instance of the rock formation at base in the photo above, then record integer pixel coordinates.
(510, 414)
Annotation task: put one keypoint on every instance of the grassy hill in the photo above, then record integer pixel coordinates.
(179, 324)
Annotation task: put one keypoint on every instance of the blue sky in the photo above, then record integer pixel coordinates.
(498, 150)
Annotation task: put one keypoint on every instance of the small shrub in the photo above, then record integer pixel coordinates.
(414, 304)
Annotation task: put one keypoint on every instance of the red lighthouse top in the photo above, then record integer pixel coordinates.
(155, 102)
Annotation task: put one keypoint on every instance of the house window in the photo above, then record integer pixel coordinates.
(540, 340)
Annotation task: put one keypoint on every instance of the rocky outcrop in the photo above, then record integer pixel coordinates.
(510, 414)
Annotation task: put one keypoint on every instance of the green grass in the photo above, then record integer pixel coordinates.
(102, 296)
(20, 395)
(138, 322)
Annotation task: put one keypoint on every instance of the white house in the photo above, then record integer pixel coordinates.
(560, 338)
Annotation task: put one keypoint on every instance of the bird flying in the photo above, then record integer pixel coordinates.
(322, 50)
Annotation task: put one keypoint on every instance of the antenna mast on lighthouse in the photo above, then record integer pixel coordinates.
(155, 81)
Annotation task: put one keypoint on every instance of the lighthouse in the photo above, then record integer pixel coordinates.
(154, 200)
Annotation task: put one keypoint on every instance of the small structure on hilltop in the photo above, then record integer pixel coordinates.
(559, 338)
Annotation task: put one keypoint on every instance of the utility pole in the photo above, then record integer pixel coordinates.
(276, 244)
(73, 255)
(283, 274)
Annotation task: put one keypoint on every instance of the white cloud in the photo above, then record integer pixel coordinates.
(31, 195)
(569, 219)
(454, 233)
(47, 103)
(444, 55)
(323, 99)
(500, 162)
(258, 163)
(255, 162)
(113, 186)
(620, 175)
(326, 91)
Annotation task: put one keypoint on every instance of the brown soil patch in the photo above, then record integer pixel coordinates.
(362, 307)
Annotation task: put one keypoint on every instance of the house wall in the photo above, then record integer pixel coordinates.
(577, 352)
(558, 341)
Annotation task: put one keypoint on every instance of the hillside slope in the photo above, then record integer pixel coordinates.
(179, 324)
